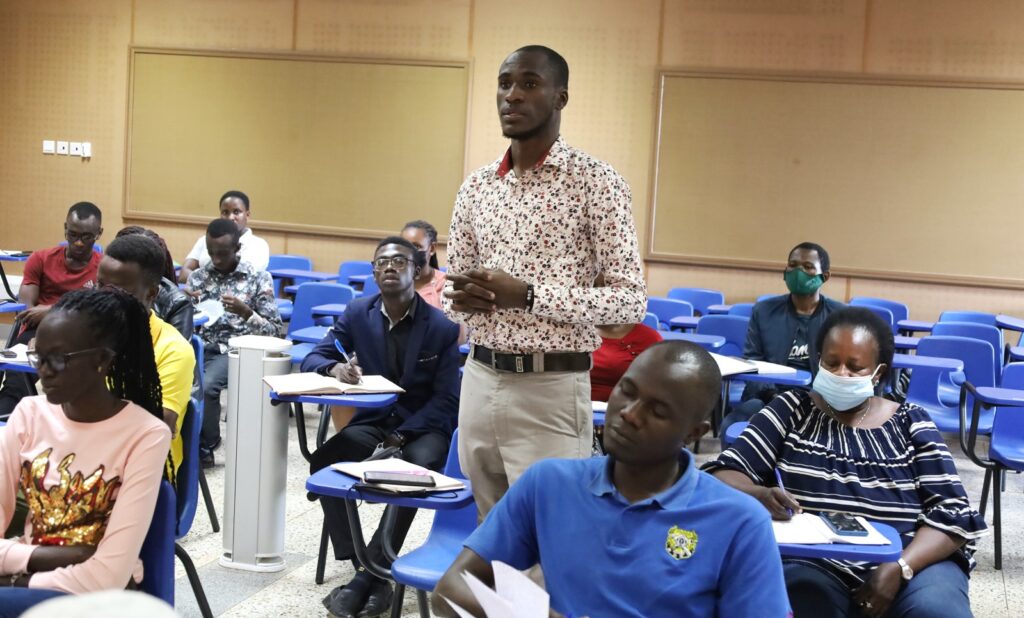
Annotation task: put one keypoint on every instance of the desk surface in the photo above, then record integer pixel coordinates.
(4, 257)
(798, 378)
(329, 309)
(7, 306)
(843, 551)
(298, 273)
(708, 342)
(330, 482)
(352, 401)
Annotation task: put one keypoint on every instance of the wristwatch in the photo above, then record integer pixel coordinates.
(400, 437)
(908, 573)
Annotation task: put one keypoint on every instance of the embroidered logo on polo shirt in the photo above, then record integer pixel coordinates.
(680, 544)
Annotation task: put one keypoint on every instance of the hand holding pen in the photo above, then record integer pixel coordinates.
(780, 503)
(349, 372)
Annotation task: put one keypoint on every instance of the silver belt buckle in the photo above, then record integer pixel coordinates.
(519, 364)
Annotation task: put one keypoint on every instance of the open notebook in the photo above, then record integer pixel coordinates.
(357, 469)
(810, 529)
(316, 384)
(733, 365)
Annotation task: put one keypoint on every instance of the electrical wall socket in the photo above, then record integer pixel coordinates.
(86, 150)
(49, 146)
(62, 148)
(76, 149)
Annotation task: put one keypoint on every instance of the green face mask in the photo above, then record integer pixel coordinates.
(802, 284)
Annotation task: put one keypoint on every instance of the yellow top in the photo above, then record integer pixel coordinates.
(176, 364)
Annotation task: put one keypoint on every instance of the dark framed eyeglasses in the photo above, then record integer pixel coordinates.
(398, 261)
(56, 362)
(73, 237)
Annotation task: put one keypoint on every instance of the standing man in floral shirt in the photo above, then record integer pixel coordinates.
(530, 232)
(249, 309)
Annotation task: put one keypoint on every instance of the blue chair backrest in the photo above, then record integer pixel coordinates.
(899, 310)
(198, 348)
(700, 298)
(974, 330)
(316, 293)
(742, 309)
(353, 268)
(666, 309)
(883, 313)
(97, 247)
(732, 327)
(187, 489)
(979, 365)
(453, 527)
(978, 317)
(158, 548)
(651, 320)
(1007, 419)
(370, 287)
(452, 467)
(282, 260)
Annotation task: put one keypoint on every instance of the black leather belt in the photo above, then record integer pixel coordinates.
(532, 363)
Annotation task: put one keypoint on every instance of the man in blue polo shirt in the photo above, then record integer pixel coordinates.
(641, 532)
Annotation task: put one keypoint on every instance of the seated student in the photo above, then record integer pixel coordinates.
(134, 263)
(841, 447)
(430, 280)
(620, 344)
(49, 274)
(234, 207)
(783, 329)
(249, 309)
(171, 304)
(88, 455)
(640, 532)
(398, 335)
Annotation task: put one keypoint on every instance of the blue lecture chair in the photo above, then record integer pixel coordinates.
(158, 548)
(927, 389)
(666, 309)
(978, 317)
(732, 327)
(974, 330)
(354, 268)
(370, 287)
(742, 309)
(1006, 444)
(302, 329)
(423, 567)
(651, 320)
(700, 298)
(300, 262)
(197, 401)
(898, 309)
(189, 482)
(886, 315)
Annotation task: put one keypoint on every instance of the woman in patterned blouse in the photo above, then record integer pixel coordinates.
(840, 447)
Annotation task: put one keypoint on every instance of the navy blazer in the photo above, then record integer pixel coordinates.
(430, 374)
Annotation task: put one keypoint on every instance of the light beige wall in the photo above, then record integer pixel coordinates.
(63, 73)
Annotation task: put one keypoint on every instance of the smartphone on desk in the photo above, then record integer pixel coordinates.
(399, 478)
(844, 524)
(8, 354)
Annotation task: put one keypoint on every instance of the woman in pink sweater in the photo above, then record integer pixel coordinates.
(88, 455)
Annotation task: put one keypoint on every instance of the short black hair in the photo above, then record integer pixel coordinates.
(238, 194)
(223, 227)
(826, 264)
(709, 376)
(85, 210)
(555, 59)
(862, 317)
(150, 234)
(418, 259)
(431, 233)
(138, 249)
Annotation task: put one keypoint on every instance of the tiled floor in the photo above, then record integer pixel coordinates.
(994, 594)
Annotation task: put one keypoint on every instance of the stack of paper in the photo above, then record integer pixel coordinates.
(733, 365)
(811, 529)
(316, 384)
(514, 595)
(358, 468)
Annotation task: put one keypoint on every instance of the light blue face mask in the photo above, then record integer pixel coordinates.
(843, 393)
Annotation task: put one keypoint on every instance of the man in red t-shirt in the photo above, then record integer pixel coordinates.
(49, 274)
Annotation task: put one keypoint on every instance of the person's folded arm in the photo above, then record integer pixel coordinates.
(463, 255)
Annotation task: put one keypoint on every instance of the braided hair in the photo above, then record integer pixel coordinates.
(431, 233)
(168, 270)
(120, 322)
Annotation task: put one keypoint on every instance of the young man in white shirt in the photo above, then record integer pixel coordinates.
(234, 205)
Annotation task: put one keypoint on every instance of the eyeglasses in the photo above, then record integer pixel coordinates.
(56, 362)
(73, 237)
(398, 261)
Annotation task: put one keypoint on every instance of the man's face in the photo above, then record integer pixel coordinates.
(81, 234)
(806, 260)
(655, 409)
(234, 208)
(223, 253)
(393, 269)
(528, 97)
(127, 276)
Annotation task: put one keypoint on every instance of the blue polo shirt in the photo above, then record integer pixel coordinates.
(700, 548)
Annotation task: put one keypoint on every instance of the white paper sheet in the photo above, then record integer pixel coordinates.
(529, 599)
(810, 529)
(493, 605)
(213, 308)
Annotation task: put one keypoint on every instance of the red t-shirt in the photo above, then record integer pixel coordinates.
(48, 270)
(614, 356)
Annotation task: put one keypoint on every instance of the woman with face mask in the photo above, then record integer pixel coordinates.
(841, 447)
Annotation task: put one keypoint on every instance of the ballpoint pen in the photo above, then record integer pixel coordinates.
(778, 480)
(341, 350)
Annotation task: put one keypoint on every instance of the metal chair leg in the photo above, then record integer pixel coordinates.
(321, 557)
(193, 580)
(397, 601)
(423, 602)
(208, 499)
(984, 493)
(997, 518)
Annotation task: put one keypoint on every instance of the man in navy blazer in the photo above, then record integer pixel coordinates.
(399, 336)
